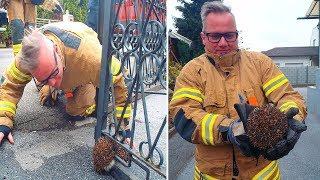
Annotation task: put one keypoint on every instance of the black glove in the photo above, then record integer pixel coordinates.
(185, 127)
(58, 9)
(5, 130)
(242, 140)
(243, 111)
(283, 147)
(37, 2)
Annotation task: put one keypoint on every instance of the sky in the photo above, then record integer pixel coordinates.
(265, 24)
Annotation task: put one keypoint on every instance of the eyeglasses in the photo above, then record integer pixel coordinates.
(52, 75)
(216, 37)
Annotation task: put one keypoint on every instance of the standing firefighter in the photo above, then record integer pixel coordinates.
(66, 56)
(214, 89)
(22, 14)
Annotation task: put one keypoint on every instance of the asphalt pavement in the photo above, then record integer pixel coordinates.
(48, 147)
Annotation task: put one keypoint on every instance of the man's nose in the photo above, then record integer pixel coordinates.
(222, 42)
(52, 82)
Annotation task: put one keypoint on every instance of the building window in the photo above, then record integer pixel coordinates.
(314, 42)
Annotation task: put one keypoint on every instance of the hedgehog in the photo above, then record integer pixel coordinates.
(103, 155)
(266, 126)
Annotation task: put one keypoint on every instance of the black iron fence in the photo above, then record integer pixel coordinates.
(138, 39)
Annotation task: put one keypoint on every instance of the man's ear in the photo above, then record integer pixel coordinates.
(203, 37)
(55, 47)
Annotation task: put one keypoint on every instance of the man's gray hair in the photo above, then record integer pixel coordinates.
(30, 52)
(213, 7)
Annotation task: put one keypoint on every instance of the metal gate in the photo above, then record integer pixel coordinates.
(133, 31)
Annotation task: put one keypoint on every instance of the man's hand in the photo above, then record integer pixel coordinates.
(48, 96)
(10, 138)
(237, 136)
(236, 132)
(58, 9)
(5, 133)
(283, 147)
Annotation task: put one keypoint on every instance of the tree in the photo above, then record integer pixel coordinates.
(79, 12)
(190, 26)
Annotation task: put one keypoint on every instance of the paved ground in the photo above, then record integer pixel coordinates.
(303, 162)
(47, 147)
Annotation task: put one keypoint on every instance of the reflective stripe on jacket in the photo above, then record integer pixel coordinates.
(11, 88)
(271, 172)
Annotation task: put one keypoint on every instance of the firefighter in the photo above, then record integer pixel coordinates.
(22, 15)
(66, 56)
(209, 86)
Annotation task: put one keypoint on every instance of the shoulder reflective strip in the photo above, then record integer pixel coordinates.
(115, 65)
(198, 174)
(274, 83)
(17, 74)
(284, 107)
(16, 48)
(119, 110)
(266, 172)
(191, 93)
(8, 106)
(207, 128)
(90, 109)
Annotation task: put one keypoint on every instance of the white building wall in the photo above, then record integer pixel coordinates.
(314, 41)
(292, 61)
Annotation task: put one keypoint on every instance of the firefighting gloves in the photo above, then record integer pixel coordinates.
(37, 2)
(57, 9)
(185, 127)
(48, 96)
(236, 131)
(5, 130)
(124, 131)
(283, 147)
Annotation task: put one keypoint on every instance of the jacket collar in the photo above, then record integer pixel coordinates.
(226, 60)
